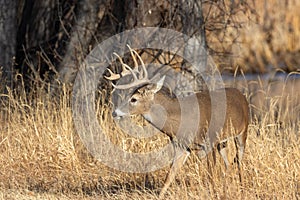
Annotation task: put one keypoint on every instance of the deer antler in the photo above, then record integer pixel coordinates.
(139, 77)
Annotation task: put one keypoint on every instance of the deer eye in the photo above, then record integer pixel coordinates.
(133, 100)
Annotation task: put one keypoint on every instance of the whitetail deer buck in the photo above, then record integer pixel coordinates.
(148, 94)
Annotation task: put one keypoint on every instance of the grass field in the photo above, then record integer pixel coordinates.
(42, 156)
(267, 38)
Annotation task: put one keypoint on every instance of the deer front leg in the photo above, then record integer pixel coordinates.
(179, 160)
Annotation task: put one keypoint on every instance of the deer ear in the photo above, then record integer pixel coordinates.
(159, 84)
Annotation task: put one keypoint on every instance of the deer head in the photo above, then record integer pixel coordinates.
(141, 100)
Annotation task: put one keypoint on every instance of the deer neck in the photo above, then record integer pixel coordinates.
(164, 114)
(170, 104)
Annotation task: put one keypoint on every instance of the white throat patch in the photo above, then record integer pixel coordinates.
(148, 117)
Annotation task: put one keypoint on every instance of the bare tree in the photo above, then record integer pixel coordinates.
(91, 13)
(8, 32)
(37, 37)
(55, 36)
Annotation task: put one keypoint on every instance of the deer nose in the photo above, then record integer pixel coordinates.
(118, 113)
(114, 114)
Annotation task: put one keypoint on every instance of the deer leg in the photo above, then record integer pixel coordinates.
(203, 150)
(222, 151)
(179, 160)
(240, 148)
(240, 142)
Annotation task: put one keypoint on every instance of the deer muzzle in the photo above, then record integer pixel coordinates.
(118, 113)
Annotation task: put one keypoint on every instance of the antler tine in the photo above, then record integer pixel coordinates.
(112, 76)
(136, 65)
(145, 72)
(126, 70)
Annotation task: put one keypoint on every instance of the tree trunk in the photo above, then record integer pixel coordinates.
(194, 27)
(8, 32)
(91, 13)
(37, 27)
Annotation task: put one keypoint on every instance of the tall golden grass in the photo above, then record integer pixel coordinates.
(275, 39)
(42, 157)
(268, 38)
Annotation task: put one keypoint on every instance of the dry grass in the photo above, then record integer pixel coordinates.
(42, 157)
(268, 37)
(274, 40)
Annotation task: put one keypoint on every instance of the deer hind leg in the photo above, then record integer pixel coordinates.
(205, 149)
(240, 142)
(240, 147)
(222, 151)
(179, 160)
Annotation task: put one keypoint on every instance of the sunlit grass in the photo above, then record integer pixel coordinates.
(42, 156)
(268, 38)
